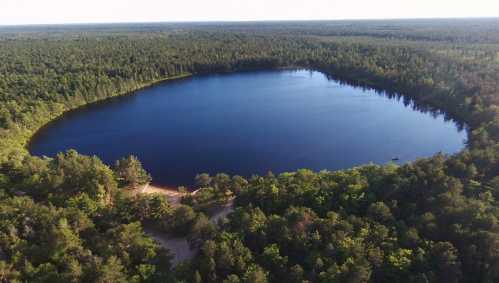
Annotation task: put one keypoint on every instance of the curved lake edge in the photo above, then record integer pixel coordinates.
(173, 79)
(409, 101)
(64, 114)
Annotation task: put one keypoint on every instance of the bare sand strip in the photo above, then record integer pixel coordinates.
(178, 246)
(173, 196)
(222, 212)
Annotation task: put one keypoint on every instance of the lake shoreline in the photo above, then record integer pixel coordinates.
(175, 115)
(30, 136)
(35, 133)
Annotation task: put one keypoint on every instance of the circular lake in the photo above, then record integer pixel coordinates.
(251, 123)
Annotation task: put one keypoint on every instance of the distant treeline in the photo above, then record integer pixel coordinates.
(73, 219)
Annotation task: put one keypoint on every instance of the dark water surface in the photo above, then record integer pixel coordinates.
(250, 123)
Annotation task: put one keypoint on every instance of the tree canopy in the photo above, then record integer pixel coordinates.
(72, 218)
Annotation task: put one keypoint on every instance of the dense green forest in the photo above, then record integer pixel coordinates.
(71, 219)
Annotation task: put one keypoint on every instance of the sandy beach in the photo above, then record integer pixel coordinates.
(173, 195)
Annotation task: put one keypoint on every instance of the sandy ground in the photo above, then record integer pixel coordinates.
(178, 246)
(222, 212)
(171, 194)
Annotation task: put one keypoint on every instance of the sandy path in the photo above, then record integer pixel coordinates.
(178, 246)
(171, 194)
(222, 212)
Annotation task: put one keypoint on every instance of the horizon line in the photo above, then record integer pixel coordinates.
(247, 21)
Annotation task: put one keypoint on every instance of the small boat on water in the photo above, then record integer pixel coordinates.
(396, 158)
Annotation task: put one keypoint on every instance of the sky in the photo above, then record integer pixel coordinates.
(17, 12)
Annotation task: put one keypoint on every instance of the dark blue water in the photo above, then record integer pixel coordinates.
(250, 123)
